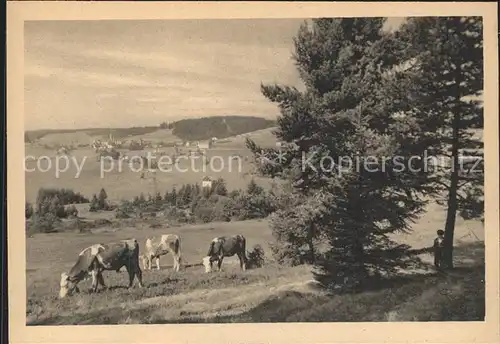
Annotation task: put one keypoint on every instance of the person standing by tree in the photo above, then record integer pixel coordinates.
(438, 249)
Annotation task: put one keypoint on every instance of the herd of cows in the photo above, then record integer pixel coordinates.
(96, 259)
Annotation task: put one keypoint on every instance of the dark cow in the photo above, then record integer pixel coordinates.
(100, 257)
(160, 246)
(226, 246)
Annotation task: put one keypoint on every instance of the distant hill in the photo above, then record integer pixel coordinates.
(186, 129)
(219, 126)
(66, 139)
(119, 133)
(159, 135)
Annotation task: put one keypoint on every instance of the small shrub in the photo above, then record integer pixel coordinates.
(94, 204)
(124, 210)
(256, 257)
(46, 223)
(72, 211)
(285, 254)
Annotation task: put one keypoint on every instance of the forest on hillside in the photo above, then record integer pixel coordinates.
(186, 129)
(220, 126)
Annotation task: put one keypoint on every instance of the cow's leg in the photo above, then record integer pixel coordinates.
(138, 272)
(148, 263)
(158, 263)
(175, 260)
(241, 257)
(94, 281)
(219, 263)
(100, 279)
(131, 269)
(178, 263)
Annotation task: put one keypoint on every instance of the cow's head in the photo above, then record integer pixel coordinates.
(67, 286)
(207, 263)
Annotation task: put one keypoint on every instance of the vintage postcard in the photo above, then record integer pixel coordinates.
(249, 172)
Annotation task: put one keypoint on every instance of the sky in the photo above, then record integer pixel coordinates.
(82, 74)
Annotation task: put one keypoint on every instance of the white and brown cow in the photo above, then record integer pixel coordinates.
(100, 257)
(160, 246)
(226, 246)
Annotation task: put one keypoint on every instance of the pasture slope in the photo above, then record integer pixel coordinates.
(267, 294)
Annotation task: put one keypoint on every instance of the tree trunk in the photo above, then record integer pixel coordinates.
(311, 244)
(451, 215)
(449, 230)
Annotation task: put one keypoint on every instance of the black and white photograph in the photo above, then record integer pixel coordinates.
(325, 169)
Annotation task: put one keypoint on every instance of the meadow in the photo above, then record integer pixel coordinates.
(271, 293)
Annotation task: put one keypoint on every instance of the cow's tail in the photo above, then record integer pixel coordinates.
(211, 250)
(177, 246)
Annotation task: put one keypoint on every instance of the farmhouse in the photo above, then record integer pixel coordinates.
(206, 182)
(205, 144)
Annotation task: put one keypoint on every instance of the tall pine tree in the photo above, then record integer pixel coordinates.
(341, 139)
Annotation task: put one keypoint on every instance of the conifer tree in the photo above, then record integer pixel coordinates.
(438, 90)
(173, 196)
(341, 119)
(103, 196)
(94, 203)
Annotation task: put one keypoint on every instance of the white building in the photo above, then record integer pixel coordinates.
(205, 145)
(206, 182)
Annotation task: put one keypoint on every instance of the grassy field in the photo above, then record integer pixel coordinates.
(267, 294)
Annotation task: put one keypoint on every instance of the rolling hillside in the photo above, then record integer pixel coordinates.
(187, 129)
(263, 138)
(219, 126)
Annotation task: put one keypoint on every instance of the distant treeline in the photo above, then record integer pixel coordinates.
(219, 126)
(30, 136)
(186, 129)
(190, 203)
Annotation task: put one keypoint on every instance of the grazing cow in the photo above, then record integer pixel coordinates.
(100, 257)
(226, 246)
(160, 246)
